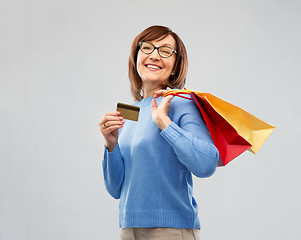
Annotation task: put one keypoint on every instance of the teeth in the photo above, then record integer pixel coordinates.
(152, 66)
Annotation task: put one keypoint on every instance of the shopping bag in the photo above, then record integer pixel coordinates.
(251, 129)
(226, 139)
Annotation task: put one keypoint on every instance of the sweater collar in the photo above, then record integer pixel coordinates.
(147, 101)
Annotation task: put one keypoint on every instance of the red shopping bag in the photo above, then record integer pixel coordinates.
(226, 139)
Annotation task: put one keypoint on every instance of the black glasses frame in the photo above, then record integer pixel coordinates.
(173, 51)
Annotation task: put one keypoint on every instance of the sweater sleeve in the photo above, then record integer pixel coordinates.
(113, 171)
(191, 140)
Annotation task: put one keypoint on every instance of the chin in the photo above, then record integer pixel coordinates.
(156, 81)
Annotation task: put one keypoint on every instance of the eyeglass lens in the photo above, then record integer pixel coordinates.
(163, 51)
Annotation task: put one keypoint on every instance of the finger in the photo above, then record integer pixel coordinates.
(168, 89)
(168, 98)
(107, 116)
(106, 119)
(166, 102)
(154, 105)
(116, 113)
(111, 123)
(108, 130)
(159, 93)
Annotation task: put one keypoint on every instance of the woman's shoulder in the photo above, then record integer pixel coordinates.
(181, 107)
(183, 100)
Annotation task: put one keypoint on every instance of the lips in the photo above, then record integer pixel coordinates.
(153, 67)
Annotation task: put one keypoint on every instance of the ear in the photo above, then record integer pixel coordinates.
(173, 71)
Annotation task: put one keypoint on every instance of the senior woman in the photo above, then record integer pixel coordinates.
(148, 164)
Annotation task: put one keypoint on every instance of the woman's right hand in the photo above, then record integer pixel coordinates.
(109, 126)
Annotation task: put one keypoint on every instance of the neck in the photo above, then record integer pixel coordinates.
(149, 91)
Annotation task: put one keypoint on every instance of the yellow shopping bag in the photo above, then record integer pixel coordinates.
(251, 128)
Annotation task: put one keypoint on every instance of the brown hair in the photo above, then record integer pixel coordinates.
(181, 64)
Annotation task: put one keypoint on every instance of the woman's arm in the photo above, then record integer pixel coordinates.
(113, 171)
(189, 136)
(197, 153)
(113, 166)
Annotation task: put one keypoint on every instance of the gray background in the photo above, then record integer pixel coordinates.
(63, 64)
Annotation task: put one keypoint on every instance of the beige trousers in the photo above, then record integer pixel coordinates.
(159, 234)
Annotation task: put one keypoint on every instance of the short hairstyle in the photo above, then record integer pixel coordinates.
(181, 64)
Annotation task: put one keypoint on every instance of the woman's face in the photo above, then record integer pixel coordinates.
(152, 68)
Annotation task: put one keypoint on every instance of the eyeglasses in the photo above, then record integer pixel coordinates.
(164, 51)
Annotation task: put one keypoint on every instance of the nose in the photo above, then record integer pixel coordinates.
(155, 54)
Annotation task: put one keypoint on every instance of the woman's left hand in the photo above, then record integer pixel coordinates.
(160, 114)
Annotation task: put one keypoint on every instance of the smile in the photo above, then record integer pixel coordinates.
(153, 67)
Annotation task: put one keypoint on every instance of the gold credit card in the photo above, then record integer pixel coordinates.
(127, 111)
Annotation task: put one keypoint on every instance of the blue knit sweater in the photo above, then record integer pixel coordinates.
(151, 170)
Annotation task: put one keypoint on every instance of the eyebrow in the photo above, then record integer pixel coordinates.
(165, 44)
